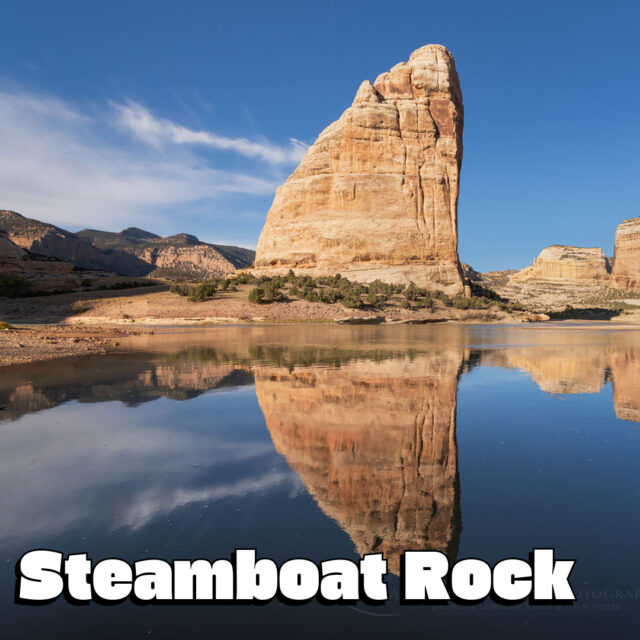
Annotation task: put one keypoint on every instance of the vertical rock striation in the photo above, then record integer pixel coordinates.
(376, 195)
(375, 445)
(626, 261)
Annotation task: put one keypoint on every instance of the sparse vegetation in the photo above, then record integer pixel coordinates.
(14, 286)
(340, 290)
(125, 284)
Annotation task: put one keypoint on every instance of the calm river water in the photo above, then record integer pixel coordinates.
(324, 442)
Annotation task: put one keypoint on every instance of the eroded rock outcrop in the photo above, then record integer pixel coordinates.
(375, 445)
(559, 262)
(376, 195)
(626, 261)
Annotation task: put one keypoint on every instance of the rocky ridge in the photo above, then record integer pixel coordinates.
(132, 252)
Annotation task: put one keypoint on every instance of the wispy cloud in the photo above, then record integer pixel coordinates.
(159, 131)
(73, 167)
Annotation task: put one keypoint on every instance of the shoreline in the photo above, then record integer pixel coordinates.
(31, 343)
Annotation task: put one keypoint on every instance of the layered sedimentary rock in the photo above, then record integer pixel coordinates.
(181, 255)
(43, 273)
(375, 445)
(51, 241)
(131, 252)
(376, 195)
(560, 262)
(626, 261)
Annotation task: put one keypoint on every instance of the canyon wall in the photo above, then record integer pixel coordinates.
(626, 261)
(376, 195)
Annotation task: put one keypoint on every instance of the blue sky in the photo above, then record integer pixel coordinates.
(185, 116)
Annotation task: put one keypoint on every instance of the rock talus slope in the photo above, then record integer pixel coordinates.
(626, 261)
(376, 195)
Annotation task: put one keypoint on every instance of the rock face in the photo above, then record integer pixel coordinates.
(181, 255)
(626, 262)
(131, 252)
(560, 262)
(49, 240)
(376, 195)
(43, 273)
(375, 445)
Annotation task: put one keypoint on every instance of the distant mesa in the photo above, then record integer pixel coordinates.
(376, 196)
(626, 265)
(560, 262)
(132, 252)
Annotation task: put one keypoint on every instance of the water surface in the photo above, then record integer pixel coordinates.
(325, 442)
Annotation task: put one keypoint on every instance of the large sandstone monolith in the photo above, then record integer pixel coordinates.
(626, 261)
(376, 196)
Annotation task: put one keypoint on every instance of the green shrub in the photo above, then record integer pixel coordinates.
(310, 294)
(14, 286)
(271, 290)
(411, 292)
(352, 300)
(375, 299)
(180, 289)
(329, 296)
(256, 295)
(203, 291)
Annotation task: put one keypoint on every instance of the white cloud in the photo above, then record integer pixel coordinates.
(70, 166)
(158, 131)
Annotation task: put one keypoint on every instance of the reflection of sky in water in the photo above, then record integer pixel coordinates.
(115, 467)
(541, 457)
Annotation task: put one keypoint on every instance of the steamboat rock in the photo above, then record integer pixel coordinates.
(376, 195)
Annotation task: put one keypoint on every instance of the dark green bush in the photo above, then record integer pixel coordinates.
(14, 286)
(256, 295)
(180, 288)
(203, 291)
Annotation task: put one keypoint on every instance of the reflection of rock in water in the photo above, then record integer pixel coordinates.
(567, 370)
(579, 369)
(625, 372)
(132, 379)
(375, 444)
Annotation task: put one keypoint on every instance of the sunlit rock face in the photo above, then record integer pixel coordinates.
(375, 445)
(376, 195)
(626, 261)
(560, 262)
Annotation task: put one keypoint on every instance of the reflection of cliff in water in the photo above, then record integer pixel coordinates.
(131, 379)
(375, 445)
(367, 418)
